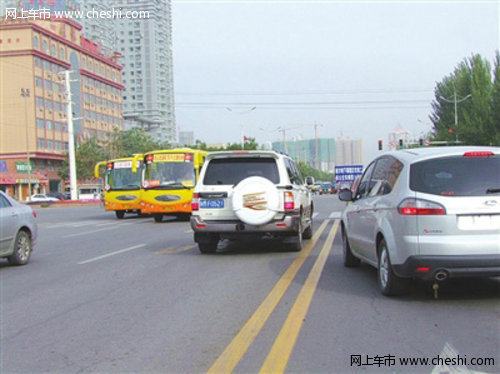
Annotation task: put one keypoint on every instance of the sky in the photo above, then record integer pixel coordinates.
(351, 69)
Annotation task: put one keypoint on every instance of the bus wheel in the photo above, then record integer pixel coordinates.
(119, 214)
(158, 217)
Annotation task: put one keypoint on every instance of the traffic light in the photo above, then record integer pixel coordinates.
(400, 143)
(421, 142)
(380, 145)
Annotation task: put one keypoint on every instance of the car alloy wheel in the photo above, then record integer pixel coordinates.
(22, 250)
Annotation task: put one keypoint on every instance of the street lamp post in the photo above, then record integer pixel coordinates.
(25, 93)
(241, 125)
(455, 102)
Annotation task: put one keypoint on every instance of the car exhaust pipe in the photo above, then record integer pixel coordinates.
(441, 275)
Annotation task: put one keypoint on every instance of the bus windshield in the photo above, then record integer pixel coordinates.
(119, 176)
(169, 172)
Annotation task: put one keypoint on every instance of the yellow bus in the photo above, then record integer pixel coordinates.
(168, 179)
(122, 186)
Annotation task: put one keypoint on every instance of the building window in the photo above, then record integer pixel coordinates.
(39, 123)
(40, 143)
(62, 55)
(48, 124)
(39, 102)
(49, 146)
(36, 43)
(38, 82)
(53, 50)
(45, 46)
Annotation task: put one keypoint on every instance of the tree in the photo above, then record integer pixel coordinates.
(86, 156)
(495, 101)
(471, 86)
(129, 142)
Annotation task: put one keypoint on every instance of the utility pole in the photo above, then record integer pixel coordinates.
(25, 93)
(71, 137)
(455, 102)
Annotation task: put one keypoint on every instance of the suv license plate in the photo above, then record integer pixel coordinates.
(212, 204)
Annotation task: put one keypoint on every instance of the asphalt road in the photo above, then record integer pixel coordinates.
(106, 295)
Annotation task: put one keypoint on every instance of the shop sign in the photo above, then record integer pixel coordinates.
(24, 167)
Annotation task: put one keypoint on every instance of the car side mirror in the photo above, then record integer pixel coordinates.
(345, 195)
(309, 181)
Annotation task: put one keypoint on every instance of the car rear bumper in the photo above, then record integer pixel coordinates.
(428, 267)
(286, 224)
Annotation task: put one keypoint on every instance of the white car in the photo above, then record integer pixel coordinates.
(429, 213)
(18, 230)
(43, 198)
(249, 195)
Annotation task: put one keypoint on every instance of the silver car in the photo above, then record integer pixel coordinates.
(18, 230)
(429, 213)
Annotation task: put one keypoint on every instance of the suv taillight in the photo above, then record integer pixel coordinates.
(289, 201)
(195, 203)
(419, 207)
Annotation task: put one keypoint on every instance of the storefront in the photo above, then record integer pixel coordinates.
(16, 179)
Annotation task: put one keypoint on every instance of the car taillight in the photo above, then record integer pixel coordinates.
(419, 207)
(289, 202)
(195, 204)
(479, 154)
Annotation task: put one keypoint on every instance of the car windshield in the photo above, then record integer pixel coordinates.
(233, 170)
(456, 176)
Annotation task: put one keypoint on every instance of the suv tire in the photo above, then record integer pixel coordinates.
(348, 258)
(208, 248)
(390, 284)
(308, 232)
(298, 244)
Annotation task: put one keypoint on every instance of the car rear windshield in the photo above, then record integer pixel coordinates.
(233, 170)
(457, 176)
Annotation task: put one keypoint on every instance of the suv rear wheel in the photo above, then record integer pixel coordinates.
(390, 284)
(349, 259)
(298, 244)
(308, 233)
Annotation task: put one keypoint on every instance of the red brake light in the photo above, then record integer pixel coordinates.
(423, 269)
(109, 166)
(479, 154)
(289, 202)
(188, 157)
(419, 207)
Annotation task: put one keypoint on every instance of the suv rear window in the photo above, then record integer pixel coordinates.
(456, 176)
(233, 170)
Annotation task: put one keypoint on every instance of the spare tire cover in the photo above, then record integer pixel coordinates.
(255, 200)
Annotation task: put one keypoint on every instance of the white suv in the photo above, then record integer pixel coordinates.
(249, 195)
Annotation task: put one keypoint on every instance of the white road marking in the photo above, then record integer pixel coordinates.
(94, 231)
(334, 215)
(111, 254)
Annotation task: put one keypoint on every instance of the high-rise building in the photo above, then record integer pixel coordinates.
(319, 153)
(146, 48)
(33, 122)
(100, 30)
(349, 152)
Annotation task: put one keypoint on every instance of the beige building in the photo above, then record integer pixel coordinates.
(33, 122)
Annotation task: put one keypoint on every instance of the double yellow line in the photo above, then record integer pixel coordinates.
(281, 350)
